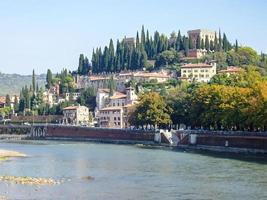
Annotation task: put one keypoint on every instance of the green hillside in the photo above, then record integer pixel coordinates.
(12, 83)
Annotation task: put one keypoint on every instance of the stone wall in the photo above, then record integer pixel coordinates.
(14, 130)
(98, 133)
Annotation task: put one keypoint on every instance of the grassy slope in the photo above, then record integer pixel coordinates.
(12, 83)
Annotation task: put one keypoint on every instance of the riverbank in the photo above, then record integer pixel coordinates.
(8, 154)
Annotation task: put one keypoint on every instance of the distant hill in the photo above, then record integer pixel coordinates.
(12, 83)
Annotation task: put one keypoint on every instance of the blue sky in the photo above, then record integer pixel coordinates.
(51, 34)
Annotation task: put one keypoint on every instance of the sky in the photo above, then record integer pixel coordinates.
(38, 34)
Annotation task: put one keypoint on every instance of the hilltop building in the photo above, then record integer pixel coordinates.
(120, 79)
(231, 70)
(201, 34)
(200, 72)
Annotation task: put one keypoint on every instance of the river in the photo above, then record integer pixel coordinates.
(129, 172)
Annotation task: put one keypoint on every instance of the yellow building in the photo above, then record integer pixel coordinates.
(200, 72)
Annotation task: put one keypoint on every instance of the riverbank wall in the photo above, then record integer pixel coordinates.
(219, 141)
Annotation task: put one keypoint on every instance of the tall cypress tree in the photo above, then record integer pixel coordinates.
(143, 37)
(33, 82)
(202, 45)
(216, 43)
(220, 41)
(207, 43)
(48, 79)
(198, 42)
(81, 64)
(111, 56)
(137, 40)
(106, 67)
(178, 41)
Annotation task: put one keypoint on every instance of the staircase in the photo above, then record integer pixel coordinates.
(170, 137)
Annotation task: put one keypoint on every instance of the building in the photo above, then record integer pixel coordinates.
(200, 72)
(74, 96)
(120, 79)
(111, 117)
(231, 70)
(76, 115)
(112, 110)
(197, 53)
(201, 34)
(129, 41)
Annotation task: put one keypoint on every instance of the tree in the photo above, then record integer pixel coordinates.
(81, 64)
(198, 42)
(168, 57)
(207, 43)
(33, 82)
(8, 100)
(88, 98)
(202, 46)
(151, 110)
(49, 78)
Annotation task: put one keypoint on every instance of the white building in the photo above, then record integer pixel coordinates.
(200, 72)
(76, 115)
(74, 96)
(112, 111)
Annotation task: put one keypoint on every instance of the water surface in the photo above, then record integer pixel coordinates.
(129, 172)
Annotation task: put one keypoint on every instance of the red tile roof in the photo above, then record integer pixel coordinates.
(198, 65)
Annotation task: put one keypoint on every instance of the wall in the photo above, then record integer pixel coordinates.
(98, 133)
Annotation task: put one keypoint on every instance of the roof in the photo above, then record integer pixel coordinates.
(198, 65)
(103, 90)
(146, 74)
(118, 95)
(231, 69)
(111, 108)
(73, 107)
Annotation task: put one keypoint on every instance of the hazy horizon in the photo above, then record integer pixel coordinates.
(40, 35)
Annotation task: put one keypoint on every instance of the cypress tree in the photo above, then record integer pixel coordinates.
(207, 43)
(33, 81)
(198, 42)
(211, 45)
(186, 46)
(8, 100)
(178, 41)
(49, 79)
(143, 37)
(225, 43)
(137, 40)
(220, 41)
(105, 67)
(202, 46)
(81, 64)
(216, 43)
(111, 56)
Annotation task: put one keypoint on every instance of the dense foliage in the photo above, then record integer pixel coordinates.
(236, 102)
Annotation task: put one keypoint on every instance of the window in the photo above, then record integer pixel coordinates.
(118, 104)
(113, 104)
(207, 76)
(119, 123)
(184, 71)
(119, 118)
(122, 104)
(195, 70)
(207, 70)
(202, 70)
(115, 118)
(196, 75)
